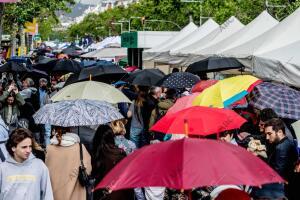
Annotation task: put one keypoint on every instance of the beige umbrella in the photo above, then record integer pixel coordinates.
(91, 90)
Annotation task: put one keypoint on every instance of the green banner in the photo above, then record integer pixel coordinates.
(129, 40)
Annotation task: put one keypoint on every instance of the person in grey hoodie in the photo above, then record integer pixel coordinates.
(22, 176)
(3, 139)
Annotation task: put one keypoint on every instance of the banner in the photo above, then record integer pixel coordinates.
(31, 27)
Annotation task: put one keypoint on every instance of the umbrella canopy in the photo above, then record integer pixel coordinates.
(187, 102)
(214, 64)
(202, 85)
(282, 99)
(91, 90)
(180, 80)
(72, 51)
(146, 77)
(183, 103)
(198, 120)
(65, 66)
(123, 62)
(80, 112)
(103, 73)
(227, 91)
(73, 78)
(189, 163)
(45, 64)
(12, 66)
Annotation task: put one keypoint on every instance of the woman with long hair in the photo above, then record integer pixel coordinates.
(63, 161)
(137, 113)
(105, 156)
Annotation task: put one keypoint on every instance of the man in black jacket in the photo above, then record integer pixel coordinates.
(284, 154)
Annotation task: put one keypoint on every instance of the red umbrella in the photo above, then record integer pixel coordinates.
(202, 85)
(229, 193)
(183, 103)
(199, 120)
(189, 163)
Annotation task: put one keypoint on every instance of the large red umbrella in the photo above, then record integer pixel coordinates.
(183, 103)
(189, 163)
(199, 120)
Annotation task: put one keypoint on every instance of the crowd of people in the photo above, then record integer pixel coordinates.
(43, 161)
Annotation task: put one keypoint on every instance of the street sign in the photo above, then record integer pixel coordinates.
(129, 40)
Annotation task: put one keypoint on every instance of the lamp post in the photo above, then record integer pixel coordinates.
(125, 21)
(200, 9)
(118, 23)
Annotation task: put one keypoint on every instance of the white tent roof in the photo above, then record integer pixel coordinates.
(282, 64)
(258, 26)
(167, 45)
(229, 27)
(209, 26)
(106, 53)
(285, 33)
(106, 41)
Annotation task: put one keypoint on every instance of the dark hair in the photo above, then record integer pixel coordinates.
(175, 69)
(277, 124)
(17, 136)
(267, 114)
(59, 131)
(103, 141)
(171, 93)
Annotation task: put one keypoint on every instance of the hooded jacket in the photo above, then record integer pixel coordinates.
(162, 107)
(28, 180)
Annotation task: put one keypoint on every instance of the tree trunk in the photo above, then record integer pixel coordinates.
(13, 44)
(1, 20)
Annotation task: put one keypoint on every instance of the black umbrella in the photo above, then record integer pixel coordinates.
(65, 66)
(179, 80)
(72, 51)
(103, 73)
(45, 64)
(214, 64)
(12, 66)
(145, 77)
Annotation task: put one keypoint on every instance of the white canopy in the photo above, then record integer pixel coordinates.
(106, 53)
(202, 31)
(165, 46)
(258, 26)
(274, 54)
(228, 28)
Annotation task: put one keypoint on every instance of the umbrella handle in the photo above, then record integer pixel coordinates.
(90, 77)
(186, 128)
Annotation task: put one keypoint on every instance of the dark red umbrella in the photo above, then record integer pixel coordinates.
(189, 163)
(203, 84)
(199, 120)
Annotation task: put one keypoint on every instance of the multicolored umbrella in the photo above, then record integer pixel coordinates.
(199, 120)
(81, 112)
(189, 163)
(282, 99)
(179, 80)
(227, 91)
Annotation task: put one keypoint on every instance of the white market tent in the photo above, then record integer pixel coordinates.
(274, 54)
(258, 26)
(225, 30)
(165, 46)
(104, 43)
(106, 53)
(200, 32)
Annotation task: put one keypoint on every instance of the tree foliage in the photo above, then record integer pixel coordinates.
(176, 11)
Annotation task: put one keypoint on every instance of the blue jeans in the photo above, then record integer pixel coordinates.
(137, 136)
(47, 134)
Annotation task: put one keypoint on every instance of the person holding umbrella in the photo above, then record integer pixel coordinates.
(63, 161)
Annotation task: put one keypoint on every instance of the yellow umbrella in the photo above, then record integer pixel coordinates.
(91, 90)
(227, 91)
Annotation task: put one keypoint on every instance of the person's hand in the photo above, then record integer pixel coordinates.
(10, 88)
(16, 91)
